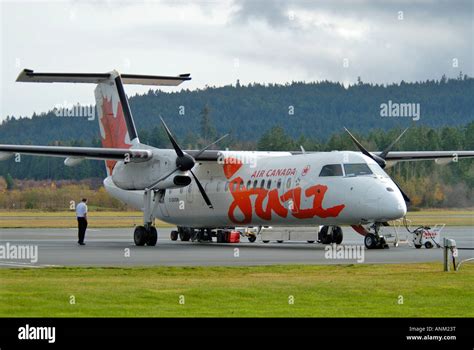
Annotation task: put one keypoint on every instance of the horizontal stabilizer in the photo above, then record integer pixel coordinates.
(29, 76)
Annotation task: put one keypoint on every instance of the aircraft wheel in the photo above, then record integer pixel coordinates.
(174, 235)
(428, 245)
(337, 235)
(140, 236)
(207, 235)
(280, 241)
(417, 246)
(324, 235)
(310, 242)
(196, 235)
(152, 236)
(370, 241)
(185, 234)
(266, 241)
(252, 238)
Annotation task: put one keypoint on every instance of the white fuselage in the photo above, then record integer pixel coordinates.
(279, 190)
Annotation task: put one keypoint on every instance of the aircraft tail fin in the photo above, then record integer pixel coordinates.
(117, 127)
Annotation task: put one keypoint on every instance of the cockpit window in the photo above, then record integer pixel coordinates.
(331, 170)
(378, 170)
(357, 169)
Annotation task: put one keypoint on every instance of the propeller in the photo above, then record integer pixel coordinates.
(380, 159)
(185, 162)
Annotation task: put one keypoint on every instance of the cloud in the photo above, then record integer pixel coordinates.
(220, 42)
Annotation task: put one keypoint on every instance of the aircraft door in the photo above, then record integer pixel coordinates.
(162, 204)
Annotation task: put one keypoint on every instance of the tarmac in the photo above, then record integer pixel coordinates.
(114, 247)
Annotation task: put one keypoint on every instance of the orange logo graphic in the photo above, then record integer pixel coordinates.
(243, 203)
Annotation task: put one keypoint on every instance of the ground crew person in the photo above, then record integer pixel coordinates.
(81, 214)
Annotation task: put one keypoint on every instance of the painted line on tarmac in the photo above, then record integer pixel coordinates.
(20, 264)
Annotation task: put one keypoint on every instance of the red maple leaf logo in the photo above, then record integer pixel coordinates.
(231, 166)
(305, 170)
(115, 129)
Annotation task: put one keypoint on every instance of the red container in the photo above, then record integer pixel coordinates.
(234, 237)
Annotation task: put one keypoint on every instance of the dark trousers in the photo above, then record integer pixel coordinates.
(82, 225)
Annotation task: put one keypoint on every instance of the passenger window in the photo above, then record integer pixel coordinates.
(269, 184)
(248, 184)
(262, 184)
(241, 185)
(331, 170)
(255, 184)
(279, 183)
(288, 183)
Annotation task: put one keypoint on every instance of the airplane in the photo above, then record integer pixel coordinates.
(208, 193)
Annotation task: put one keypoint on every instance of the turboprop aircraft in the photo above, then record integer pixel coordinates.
(207, 192)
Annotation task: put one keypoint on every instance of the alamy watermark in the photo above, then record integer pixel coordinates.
(19, 252)
(37, 333)
(400, 110)
(233, 158)
(74, 111)
(345, 252)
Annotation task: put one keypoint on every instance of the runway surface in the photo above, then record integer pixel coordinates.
(115, 247)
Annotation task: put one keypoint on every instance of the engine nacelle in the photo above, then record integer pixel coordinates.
(139, 176)
(174, 182)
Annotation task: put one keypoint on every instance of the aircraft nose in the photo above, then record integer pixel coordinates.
(391, 204)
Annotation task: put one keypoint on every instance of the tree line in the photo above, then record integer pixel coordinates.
(427, 183)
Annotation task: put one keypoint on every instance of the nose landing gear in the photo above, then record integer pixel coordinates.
(374, 240)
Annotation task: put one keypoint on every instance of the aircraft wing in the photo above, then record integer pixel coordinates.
(409, 156)
(135, 155)
(426, 155)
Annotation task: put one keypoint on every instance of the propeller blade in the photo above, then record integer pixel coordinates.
(405, 197)
(176, 147)
(209, 145)
(389, 148)
(163, 178)
(380, 161)
(203, 192)
(359, 145)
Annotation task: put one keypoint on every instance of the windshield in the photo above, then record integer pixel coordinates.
(331, 170)
(357, 169)
(377, 170)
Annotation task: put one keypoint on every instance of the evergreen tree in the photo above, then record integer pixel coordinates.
(10, 182)
(208, 131)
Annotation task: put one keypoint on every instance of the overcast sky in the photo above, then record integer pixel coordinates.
(219, 42)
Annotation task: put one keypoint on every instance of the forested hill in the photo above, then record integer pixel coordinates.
(316, 110)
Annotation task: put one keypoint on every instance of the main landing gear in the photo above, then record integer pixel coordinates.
(330, 234)
(142, 236)
(186, 234)
(147, 234)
